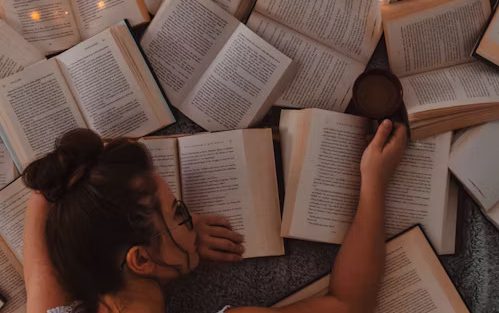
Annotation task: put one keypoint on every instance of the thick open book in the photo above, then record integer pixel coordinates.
(429, 45)
(55, 25)
(321, 158)
(13, 200)
(8, 169)
(15, 52)
(487, 48)
(229, 173)
(239, 8)
(103, 84)
(213, 68)
(415, 281)
(474, 161)
(331, 41)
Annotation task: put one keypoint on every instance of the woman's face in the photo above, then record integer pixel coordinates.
(178, 243)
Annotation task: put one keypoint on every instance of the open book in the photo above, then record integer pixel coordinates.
(8, 169)
(103, 84)
(331, 41)
(321, 158)
(55, 25)
(229, 173)
(239, 8)
(488, 45)
(474, 161)
(429, 45)
(15, 52)
(13, 200)
(213, 68)
(415, 281)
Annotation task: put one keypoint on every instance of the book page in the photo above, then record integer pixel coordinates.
(241, 84)
(325, 77)
(489, 45)
(13, 201)
(351, 27)
(215, 180)
(7, 168)
(230, 6)
(474, 162)
(95, 16)
(422, 37)
(164, 153)
(47, 24)
(464, 84)
(493, 215)
(15, 52)
(106, 90)
(37, 107)
(323, 182)
(414, 280)
(181, 42)
(418, 191)
(11, 286)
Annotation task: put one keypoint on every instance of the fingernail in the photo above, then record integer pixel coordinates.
(386, 122)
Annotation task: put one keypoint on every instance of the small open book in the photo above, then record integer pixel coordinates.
(213, 68)
(415, 281)
(15, 52)
(103, 84)
(429, 45)
(239, 8)
(55, 25)
(322, 151)
(13, 200)
(331, 42)
(229, 173)
(474, 161)
(487, 48)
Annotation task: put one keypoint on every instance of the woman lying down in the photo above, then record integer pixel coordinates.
(104, 232)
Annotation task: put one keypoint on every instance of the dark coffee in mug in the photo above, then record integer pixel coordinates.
(377, 94)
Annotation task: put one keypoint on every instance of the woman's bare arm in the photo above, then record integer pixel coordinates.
(43, 289)
(359, 265)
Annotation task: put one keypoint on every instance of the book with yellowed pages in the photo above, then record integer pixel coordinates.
(230, 173)
(473, 160)
(239, 8)
(213, 68)
(321, 152)
(429, 44)
(56, 25)
(487, 48)
(13, 199)
(331, 41)
(102, 83)
(414, 281)
(15, 52)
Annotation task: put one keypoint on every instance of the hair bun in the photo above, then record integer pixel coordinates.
(75, 153)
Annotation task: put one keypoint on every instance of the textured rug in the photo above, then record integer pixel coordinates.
(474, 268)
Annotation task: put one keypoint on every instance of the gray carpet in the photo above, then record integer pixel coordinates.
(260, 282)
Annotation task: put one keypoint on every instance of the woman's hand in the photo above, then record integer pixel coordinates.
(216, 239)
(382, 156)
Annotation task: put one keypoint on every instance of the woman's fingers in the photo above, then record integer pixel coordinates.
(382, 133)
(222, 232)
(216, 220)
(224, 245)
(219, 256)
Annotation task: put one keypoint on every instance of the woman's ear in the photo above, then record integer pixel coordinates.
(139, 261)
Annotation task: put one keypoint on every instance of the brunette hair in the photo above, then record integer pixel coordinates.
(103, 198)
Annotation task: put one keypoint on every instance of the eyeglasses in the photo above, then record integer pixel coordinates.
(181, 212)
